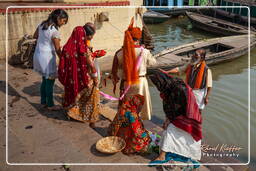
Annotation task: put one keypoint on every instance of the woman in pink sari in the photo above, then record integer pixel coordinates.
(78, 75)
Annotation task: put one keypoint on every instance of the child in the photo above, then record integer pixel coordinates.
(44, 60)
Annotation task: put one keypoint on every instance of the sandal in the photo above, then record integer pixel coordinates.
(43, 105)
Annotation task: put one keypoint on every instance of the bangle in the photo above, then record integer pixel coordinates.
(94, 74)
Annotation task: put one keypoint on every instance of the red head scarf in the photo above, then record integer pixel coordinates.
(130, 72)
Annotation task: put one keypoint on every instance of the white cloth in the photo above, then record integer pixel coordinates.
(200, 95)
(97, 66)
(44, 60)
(175, 140)
(142, 87)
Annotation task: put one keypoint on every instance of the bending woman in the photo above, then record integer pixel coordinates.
(78, 75)
(183, 132)
(128, 125)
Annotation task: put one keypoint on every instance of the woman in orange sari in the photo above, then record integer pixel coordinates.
(79, 76)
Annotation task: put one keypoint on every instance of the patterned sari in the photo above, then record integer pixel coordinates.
(81, 98)
(128, 125)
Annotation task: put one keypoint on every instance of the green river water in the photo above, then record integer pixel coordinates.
(225, 119)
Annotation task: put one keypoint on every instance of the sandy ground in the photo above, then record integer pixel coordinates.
(36, 135)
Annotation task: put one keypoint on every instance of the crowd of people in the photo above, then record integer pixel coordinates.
(79, 73)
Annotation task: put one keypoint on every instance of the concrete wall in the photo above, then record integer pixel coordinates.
(109, 35)
(85, 1)
(2, 36)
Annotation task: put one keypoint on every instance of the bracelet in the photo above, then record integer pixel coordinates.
(94, 74)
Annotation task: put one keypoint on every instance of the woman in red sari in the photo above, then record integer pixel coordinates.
(78, 75)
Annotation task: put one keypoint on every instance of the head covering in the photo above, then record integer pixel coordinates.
(136, 33)
(129, 55)
(173, 92)
(134, 103)
(179, 103)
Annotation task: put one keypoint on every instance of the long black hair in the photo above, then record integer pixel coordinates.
(52, 19)
(89, 29)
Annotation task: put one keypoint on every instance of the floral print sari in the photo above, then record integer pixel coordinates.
(128, 125)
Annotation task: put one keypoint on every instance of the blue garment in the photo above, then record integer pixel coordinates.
(175, 157)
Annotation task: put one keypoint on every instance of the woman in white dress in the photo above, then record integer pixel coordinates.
(182, 134)
(44, 60)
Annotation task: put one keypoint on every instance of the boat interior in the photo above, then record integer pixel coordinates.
(210, 49)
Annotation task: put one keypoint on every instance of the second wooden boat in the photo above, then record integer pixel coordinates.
(152, 17)
(217, 26)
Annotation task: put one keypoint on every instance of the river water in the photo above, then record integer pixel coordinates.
(225, 119)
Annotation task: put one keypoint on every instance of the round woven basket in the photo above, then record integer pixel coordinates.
(110, 145)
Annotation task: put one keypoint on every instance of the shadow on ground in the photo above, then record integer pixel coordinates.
(14, 96)
(34, 90)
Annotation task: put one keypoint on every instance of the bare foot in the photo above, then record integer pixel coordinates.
(54, 108)
(160, 158)
(92, 125)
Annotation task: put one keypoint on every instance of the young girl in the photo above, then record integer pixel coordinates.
(44, 60)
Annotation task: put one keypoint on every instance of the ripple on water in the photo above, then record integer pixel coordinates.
(225, 119)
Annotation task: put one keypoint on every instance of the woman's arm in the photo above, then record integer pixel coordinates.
(56, 43)
(166, 123)
(91, 67)
(35, 36)
(172, 71)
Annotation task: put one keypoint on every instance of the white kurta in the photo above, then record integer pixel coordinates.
(175, 140)
(142, 87)
(200, 96)
(44, 59)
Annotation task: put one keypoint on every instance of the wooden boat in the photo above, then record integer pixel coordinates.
(170, 11)
(214, 25)
(233, 16)
(217, 50)
(238, 14)
(152, 17)
(167, 7)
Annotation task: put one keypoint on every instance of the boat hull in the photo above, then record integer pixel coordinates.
(153, 20)
(216, 26)
(230, 48)
(170, 11)
(152, 17)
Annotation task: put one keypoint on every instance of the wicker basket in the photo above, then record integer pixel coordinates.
(110, 145)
